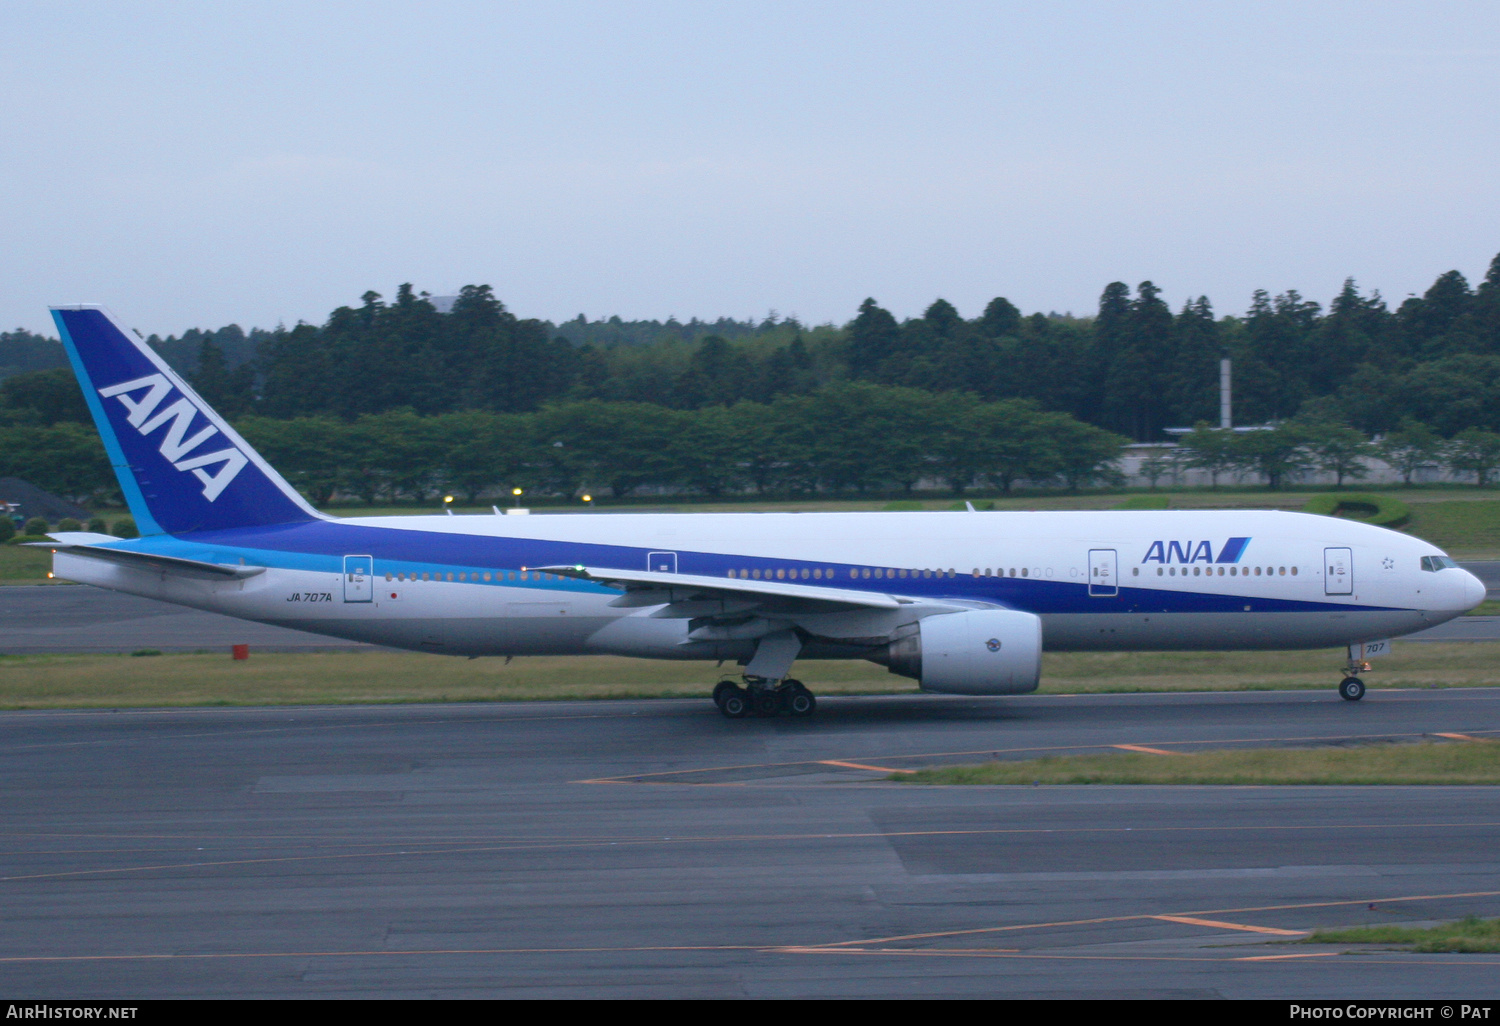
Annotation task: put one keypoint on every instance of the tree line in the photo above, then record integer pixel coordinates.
(846, 438)
(1308, 444)
(764, 406)
(1134, 366)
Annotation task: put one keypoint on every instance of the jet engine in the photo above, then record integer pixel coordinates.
(979, 652)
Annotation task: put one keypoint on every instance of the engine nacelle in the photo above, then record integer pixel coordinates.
(979, 652)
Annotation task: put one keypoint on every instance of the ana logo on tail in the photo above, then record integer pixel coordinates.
(176, 444)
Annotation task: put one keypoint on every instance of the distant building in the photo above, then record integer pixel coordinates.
(23, 500)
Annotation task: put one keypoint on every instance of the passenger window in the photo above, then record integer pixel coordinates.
(1023, 571)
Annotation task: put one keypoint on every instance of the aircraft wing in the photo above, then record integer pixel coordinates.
(150, 561)
(716, 594)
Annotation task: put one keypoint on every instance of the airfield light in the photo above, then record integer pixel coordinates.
(517, 493)
(447, 498)
(588, 498)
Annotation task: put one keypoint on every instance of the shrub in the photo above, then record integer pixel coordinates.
(7, 528)
(98, 526)
(69, 524)
(1380, 510)
(36, 525)
(125, 528)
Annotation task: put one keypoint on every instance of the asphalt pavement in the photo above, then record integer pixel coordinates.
(75, 618)
(655, 849)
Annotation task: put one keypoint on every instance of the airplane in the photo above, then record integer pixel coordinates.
(963, 602)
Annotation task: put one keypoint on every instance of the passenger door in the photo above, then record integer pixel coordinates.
(1102, 567)
(1338, 571)
(359, 585)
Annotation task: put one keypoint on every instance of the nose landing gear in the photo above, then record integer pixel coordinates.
(1351, 688)
(764, 698)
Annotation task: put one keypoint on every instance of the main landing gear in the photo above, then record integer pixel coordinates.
(763, 698)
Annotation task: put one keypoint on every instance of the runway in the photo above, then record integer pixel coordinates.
(654, 849)
(74, 618)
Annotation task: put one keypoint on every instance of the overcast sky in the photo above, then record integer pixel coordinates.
(194, 164)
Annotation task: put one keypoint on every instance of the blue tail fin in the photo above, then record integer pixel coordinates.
(181, 466)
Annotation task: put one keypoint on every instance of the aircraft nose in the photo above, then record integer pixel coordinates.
(1473, 590)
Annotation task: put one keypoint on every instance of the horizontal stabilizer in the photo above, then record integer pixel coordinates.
(174, 565)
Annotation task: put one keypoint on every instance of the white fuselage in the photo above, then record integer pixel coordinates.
(1097, 580)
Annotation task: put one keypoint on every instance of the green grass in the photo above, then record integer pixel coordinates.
(1380, 508)
(1465, 762)
(1466, 529)
(115, 681)
(22, 565)
(1146, 502)
(1467, 935)
(91, 681)
(1490, 608)
(1409, 665)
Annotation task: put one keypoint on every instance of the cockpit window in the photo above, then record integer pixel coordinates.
(1436, 563)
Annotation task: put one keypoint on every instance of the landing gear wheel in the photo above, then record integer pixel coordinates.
(767, 703)
(721, 689)
(734, 704)
(1351, 689)
(800, 701)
